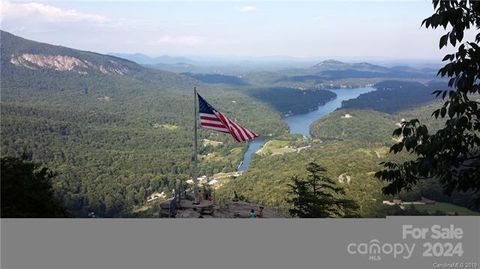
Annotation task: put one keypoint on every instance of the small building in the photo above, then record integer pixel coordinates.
(200, 180)
(156, 195)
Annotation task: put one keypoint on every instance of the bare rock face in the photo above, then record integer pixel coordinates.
(37, 61)
(66, 63)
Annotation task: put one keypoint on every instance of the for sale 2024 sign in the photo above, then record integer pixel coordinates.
(431, 241)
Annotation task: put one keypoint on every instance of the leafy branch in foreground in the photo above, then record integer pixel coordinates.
(452, 154)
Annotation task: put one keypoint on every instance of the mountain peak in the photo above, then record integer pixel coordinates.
(329, 62)
(332, 61)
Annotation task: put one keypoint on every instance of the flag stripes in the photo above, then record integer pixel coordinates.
(210, 118)
(212, 122)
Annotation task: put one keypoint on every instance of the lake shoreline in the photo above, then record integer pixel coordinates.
(300, 123)
(311, 109)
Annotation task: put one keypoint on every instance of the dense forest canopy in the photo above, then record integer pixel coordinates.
(392, 96)
(350, 150)
(115, 132)
(27, 190)
(292, 101)
(218, 79)
(113, 138)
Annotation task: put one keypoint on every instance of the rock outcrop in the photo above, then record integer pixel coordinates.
(66, 63)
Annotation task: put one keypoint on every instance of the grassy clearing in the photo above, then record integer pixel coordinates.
(450, 209)
(207, 142)
(275, 147)
(169, 127)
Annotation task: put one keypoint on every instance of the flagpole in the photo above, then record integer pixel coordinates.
(195, 161)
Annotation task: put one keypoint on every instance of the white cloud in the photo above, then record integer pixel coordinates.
(182, 40)
(248, 9)
(46, 12)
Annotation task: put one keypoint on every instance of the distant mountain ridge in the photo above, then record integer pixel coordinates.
(141, 58)
(338, 65)
(335, 70)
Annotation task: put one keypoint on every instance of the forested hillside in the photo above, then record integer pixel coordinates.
(350, 162)
(392, 96)
(350, 144)
(114, 131)
(218, 79)
(331, 74)
(348, 124)
(292, 101)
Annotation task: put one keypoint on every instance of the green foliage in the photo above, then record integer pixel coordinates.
(266, 180)
(346, 124)
(451, 154)
(27, 190)
(393, 96)
(125, 138)
(447, 208)
(292, 101)
(344, 146)
(319, 196)
(332, 74)
(218, 79)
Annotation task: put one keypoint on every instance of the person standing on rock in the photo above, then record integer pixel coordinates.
(260, 212)
(173, 208)
(199, 197)
(252, 214)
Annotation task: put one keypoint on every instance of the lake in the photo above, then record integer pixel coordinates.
(300, 124)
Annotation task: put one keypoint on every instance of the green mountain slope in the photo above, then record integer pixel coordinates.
(392, 96)
(113, 130)
(357, 125)
(350, 144)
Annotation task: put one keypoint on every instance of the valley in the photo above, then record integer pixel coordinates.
(116, 131)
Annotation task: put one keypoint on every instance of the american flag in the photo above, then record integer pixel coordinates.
(210, 118)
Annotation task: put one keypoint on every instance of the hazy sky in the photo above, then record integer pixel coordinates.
(354, 29)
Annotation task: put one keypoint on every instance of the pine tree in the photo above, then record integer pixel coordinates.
(27, 190)
(318, 196)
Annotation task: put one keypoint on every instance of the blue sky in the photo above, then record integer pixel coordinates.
(328, 29)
